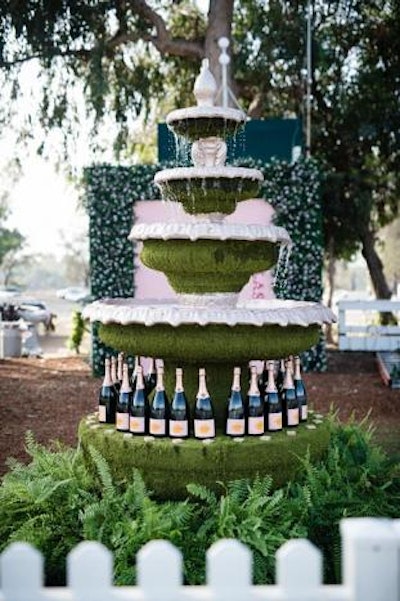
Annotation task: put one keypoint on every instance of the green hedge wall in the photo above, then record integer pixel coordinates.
(292, 189)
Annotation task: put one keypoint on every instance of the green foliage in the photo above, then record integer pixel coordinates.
(252, 512)
(125, 520)
(60, 498)
(356, 479)
(40, 503)
(79, 327)
(10, 240)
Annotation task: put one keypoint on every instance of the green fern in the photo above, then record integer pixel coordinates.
(103, 471)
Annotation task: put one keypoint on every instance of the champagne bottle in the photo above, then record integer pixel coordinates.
(289, 401)
(159, 407)
(255, 407)
(134, 373)
(273, 403)
(300, 389)
(120, 365)
(235, 418)
(124, 402)
(107, 396)
(151, 377)
(204, 421)
(179, 412)
(280, 376)
(263, 378)
(139, 406)
(114, 375)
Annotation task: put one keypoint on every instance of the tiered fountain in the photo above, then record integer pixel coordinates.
(207, 262)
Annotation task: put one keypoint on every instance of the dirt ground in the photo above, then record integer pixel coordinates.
(50, 395)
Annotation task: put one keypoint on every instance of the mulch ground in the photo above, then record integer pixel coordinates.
(50, 396)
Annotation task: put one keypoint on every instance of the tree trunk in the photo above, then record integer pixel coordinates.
(220, 17)
(374, 264)
(375, 268)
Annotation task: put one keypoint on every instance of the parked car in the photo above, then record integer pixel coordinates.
(29, 310)
(76, 294)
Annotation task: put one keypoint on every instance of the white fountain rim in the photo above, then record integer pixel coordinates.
(150, 312)
(207, 172)
(196, 112)
(209, 230)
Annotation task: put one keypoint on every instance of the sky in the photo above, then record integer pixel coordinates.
(44, 208)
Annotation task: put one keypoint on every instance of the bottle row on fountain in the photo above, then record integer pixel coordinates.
(139, 404)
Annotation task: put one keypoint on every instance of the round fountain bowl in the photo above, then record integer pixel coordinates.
(197, 122)
(255, 329)
(204, 257)
(208, 189)
(207, 266)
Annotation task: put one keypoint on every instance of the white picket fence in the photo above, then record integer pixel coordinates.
(371, 571)
(366, 334)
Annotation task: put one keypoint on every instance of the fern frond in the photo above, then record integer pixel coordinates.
(103, 471)
(203, 493)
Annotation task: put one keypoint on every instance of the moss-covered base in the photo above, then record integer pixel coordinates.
(203, 127)
(209, 194)
(167, 468)
(206, 266)
(214, 343)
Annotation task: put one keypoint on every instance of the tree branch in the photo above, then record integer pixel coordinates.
(163, 41)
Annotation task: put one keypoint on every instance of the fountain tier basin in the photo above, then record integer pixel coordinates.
(208, 189)
(167, 468)
(204, 257)
(198, 122)
(215, 335)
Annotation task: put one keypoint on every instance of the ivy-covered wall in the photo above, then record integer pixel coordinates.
(292, 189)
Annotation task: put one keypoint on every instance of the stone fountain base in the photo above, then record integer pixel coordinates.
(167, 467)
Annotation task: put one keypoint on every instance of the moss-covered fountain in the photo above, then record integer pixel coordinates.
(207, 262)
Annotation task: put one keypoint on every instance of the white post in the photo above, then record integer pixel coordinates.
(159, 570)
(21, 573)
(309, 78)
(370, 559)
(90, 572)
(229, 570)
(299, 571)
(224, 61)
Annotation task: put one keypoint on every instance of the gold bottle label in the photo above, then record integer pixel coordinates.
(122, 421)
(178, 427)
(157, 427)
(102, 414)
(275, 421)
(256, 425)
(293, 417)
(204, 428)
(304, 412)
(136, 425)
(235, 427)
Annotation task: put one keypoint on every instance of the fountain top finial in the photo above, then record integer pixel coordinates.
(205, 86)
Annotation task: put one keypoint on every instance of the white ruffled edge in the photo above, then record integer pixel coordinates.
(209, 230)
(206, 173)
(149, 312)
(198, 112)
